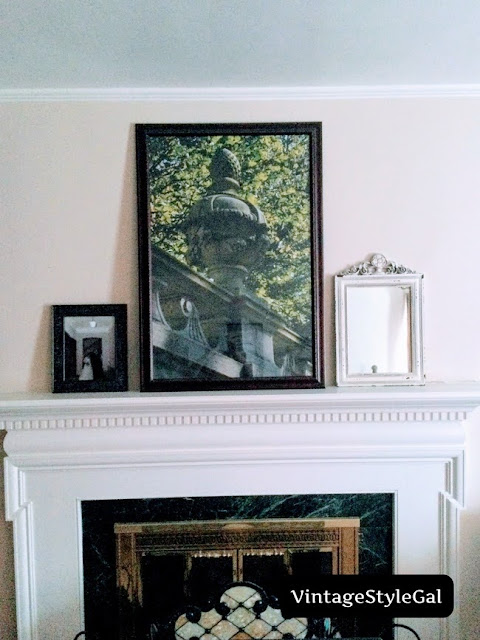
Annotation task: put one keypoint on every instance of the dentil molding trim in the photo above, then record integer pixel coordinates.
(181, 94)
(432, 403)
(80, 430)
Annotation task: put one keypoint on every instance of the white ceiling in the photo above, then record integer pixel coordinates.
(48, 44)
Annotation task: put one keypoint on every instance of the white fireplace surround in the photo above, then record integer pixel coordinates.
(67, 448)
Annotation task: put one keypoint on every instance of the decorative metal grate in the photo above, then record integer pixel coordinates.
(243, 613)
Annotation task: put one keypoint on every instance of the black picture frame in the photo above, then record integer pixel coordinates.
(230, 276)
(89, 348)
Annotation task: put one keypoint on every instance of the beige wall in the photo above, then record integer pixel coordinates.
(400, 177)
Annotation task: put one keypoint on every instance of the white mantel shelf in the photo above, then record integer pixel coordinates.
(394, 423)
(434, 402)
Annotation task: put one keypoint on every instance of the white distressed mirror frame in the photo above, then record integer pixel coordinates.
(378, 271)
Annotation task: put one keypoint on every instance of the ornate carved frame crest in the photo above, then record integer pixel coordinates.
(378, 273)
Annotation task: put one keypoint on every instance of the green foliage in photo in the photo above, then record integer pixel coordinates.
(275, 177)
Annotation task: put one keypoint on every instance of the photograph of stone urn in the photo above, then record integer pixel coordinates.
(230, 256)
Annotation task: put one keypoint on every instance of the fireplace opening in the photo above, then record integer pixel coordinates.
(148, 561)
(164, 568)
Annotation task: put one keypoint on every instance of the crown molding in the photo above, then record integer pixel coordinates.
(220, 94)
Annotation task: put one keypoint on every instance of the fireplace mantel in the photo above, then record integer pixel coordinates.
(440, 401)
(63, 449)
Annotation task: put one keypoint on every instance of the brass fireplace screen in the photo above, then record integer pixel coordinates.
(163, 569)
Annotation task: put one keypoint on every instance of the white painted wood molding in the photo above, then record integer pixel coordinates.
(240, 94)
(66, 448)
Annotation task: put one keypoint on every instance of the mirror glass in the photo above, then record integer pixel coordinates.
(378, 329)
(379, 324)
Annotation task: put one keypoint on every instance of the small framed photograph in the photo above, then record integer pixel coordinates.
(230, 248)
(89, 348)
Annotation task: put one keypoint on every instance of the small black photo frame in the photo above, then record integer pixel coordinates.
(230, 242)
(89, 348)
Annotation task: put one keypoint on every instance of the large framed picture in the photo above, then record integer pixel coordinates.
(230, 252)
(89, 347)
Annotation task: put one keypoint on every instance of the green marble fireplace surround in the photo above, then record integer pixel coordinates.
(375, 547)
